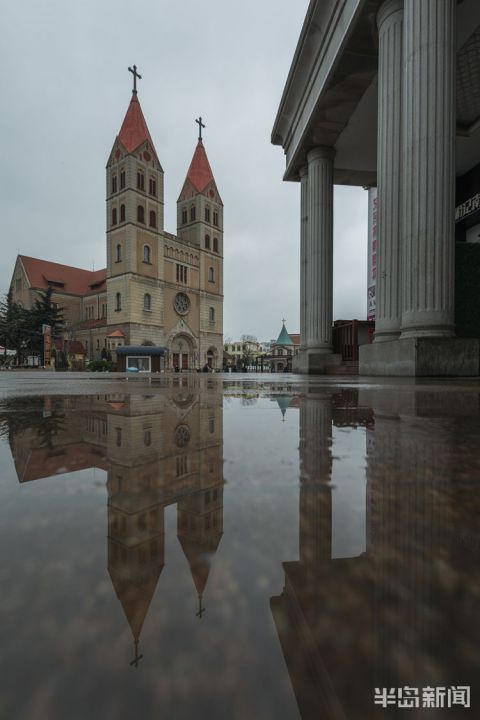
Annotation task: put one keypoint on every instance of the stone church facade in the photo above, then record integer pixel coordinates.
(158, 288)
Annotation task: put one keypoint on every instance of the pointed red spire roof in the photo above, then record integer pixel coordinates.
(134, 130)
(200, 173)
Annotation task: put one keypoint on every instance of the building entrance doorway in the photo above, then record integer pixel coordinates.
(182, 353)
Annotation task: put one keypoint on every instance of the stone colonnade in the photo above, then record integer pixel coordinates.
(416, 183)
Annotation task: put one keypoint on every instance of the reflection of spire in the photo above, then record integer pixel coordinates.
(200, 529)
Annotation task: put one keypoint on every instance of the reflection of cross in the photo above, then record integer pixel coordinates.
(201, 609)
(137, 657)
(200, 126)
(135, 75)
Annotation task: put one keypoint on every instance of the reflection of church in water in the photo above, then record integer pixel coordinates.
(157, 450)
(399, 611)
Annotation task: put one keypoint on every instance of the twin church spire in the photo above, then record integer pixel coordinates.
(134, 132)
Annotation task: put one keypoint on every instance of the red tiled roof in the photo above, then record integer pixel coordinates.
(116, 333)
(89, 324)
(72, 346)
(200, 173)
(134, 130)
(295, 338)
(66, 279)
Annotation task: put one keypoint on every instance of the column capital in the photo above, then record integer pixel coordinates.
(389, 7)
(322, 152)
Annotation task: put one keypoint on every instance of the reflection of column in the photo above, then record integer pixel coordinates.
(409, 504)
(303, 253)
(388, 309)
(315, 474)
(319, 260)
(428, 168)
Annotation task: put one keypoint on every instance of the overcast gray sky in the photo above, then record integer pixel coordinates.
(65, 89)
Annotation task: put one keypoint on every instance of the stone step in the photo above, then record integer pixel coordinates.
(348, 367)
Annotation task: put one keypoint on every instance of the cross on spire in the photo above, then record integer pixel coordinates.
(200, 126)
(137, 657)
(201, 609)
(135, 76)
(283, 321)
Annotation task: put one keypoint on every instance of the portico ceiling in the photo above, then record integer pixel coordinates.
(330, 97)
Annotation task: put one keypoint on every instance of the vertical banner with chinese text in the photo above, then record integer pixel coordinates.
(372, 252)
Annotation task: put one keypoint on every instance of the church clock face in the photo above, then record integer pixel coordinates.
(181, 303)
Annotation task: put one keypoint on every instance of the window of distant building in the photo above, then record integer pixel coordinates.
(184, 217)
(215, 244)
(118, 436)
(215, 217)
(140, 214)
(153, 219)
(147, 301)
(114, 184)
(147, 254)
(118, 301)
(211, 314)
(152, 187)
(122, 213)
(140, 180)
(211, 274)
(207, 214)
(207, 242)
(119, 254)
(114, 216)
(122, 179)
(193, 214)
(181, 273)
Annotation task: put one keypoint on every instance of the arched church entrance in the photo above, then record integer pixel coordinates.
(212, 357)
(182, 353)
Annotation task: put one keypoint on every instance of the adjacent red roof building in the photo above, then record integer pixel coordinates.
(63, 278)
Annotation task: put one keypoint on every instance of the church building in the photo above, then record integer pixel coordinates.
(158, 288)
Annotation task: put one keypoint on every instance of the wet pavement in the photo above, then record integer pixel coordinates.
(203, 546)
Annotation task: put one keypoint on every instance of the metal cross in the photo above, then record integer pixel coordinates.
(135, 76)
(137, 657)
(283, 321)
(200, 126)
(201, 609)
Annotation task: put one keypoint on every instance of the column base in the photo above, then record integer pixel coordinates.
(315, 362)
(422, 357)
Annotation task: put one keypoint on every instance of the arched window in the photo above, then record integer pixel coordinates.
(207, 214)
(118, 301)
(215, 217)
(147, 301)
(215, 244)
(122, 213)
(147, 254)
(193, 214)
(211, 274)
(114, 216)
(153, 219)
(140, 180)
(122, 179)
(140, 214)
(184, 217)
(119, 253)
(211, 314)
(207, 242)
(114, 184)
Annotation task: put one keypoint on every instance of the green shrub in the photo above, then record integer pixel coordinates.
(101, 366)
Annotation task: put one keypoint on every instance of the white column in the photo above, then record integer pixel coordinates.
(428, 180)
(303, 253)
(388, 297)
(319, 291)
